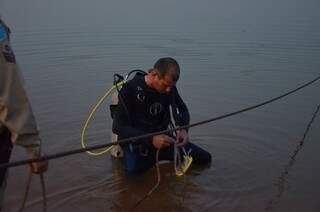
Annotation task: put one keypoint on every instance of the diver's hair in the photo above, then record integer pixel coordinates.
(167, 65)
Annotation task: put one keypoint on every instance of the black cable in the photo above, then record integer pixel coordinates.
(283, 178)
(137, 139)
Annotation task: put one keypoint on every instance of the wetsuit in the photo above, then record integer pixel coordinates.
(143, 110)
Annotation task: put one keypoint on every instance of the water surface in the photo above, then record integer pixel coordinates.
(232, 55)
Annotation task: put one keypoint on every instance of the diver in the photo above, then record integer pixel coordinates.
(144, 107)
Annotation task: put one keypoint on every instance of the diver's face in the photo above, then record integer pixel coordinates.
(163, 84)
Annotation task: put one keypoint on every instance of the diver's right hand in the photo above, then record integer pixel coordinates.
(162, 141)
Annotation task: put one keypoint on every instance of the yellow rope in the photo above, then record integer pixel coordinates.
(86, 124)
(154, 187)
(181, 165)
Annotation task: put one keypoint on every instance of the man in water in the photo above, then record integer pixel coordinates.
(144, 107)
(17, 123)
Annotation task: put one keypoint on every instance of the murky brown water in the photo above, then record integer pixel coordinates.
(232, 56)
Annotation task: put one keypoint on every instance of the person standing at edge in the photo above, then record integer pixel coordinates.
(144, 107)
(17, 122)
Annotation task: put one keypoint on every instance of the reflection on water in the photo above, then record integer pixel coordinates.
(134, 190)
(283, 178)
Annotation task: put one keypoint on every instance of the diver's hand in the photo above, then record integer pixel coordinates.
(39, 167)
(162, 141)
(182, 138)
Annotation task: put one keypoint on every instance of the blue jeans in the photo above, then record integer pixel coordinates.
(136, 161)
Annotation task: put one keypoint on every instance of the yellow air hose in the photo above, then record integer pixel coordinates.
(86, 124)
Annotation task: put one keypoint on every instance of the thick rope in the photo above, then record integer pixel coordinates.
(137, 138)
(26, 193)
(44, 194)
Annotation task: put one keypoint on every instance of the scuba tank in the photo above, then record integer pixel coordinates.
(116, 151)
(119, 81)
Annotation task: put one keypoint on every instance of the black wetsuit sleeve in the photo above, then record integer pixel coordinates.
(180, 111)
(122, 124)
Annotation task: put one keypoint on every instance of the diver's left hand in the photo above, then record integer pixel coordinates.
(182, 137)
